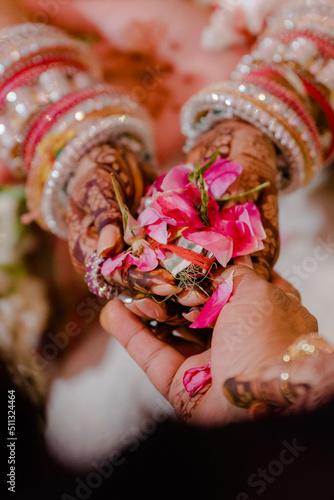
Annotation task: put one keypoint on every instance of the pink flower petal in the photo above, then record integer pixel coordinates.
(145, 262)
(148, 259)
(150, 192)
(157, 186)
(255, 218)
(192, 193)
(216, 242)
(243, 224)
(113, 263)
(133, 230)
(148, 216)
(212, 308)
(158, 232)
(195, 378)
(176, 207)
(156, 224)
(177, 177)
(220, 176)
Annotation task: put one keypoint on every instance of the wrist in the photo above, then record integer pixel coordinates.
(241, 142)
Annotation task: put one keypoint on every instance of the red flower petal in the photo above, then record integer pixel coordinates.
(195, 378)
(212, 308)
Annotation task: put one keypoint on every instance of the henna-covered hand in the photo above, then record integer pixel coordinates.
(149, 291)
(244, 144)
(94, 219)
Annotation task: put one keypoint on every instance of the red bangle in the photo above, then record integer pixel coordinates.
(31, 73)
(44, 121)
(290, 99)
(325, 106)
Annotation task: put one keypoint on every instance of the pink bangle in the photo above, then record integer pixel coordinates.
(31, 73)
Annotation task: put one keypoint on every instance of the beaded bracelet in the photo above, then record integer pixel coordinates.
(271, 115)
(313, 16)
(303, 51)
(295, 52)
(34, 72)
(53, 110)
(306, 89)
(61, 123)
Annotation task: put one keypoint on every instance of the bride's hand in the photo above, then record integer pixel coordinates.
(244, 144)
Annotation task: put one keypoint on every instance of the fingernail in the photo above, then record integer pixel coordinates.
(163, 289)
(150, 308)
(109, 241)
(295, 297)
(125, 298)
(192, 315)
(136, 310)
(192, 298)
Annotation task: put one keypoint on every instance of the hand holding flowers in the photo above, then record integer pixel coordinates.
(188, 205)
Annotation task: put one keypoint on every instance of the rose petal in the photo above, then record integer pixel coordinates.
(216, 242)
(147, 259)
(243, 224)
(111, 264)
(148, 216)
(176, 207)
(220, 176)
(195, 378)
(177, 177)
(133, 230)
(255, 218)
(213, 307)
(156, 224)
(158, 232)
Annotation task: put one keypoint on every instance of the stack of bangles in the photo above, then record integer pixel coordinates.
(285, 88)
(54, 109)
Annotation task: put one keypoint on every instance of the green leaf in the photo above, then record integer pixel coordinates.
(204, 201)
(201, 169)
(246, 193)
(123, 208)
